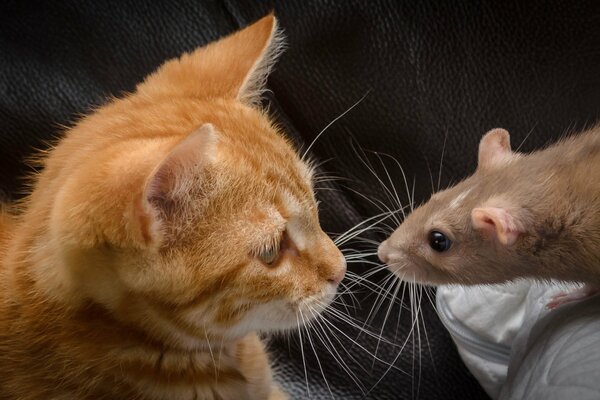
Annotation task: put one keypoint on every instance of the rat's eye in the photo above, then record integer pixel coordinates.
(269, 255)
(439, 242)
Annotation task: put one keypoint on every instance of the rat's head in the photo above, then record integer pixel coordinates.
(465, 234)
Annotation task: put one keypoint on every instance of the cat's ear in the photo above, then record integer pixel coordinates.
(494, 148)
(169, 184)
(233, 67)
(499, 224)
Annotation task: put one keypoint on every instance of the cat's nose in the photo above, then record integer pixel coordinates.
(339, 274)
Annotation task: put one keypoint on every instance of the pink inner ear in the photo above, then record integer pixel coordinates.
(169, 183)
(186, 159)
(494, 147)
(497, 223)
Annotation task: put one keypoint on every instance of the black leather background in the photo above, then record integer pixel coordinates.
(434, 71)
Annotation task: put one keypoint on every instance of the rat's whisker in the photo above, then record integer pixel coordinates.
(405, 179)
(365, 161)
(397, 285)
(526, 137)
(391, 182)
(393, 362)
(442, 161)
(430, 173)
(425, 290)
(388, 284)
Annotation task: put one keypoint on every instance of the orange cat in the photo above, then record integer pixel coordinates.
(164, 231)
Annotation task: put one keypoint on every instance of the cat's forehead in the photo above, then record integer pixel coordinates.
(294, 205)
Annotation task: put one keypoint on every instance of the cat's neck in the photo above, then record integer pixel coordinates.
(91, 338)
(39, 276)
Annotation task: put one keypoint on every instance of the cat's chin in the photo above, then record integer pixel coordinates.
(282, 315)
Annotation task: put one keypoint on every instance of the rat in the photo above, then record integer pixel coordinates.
(533, 215)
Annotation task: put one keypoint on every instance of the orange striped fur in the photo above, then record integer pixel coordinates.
(166, 229)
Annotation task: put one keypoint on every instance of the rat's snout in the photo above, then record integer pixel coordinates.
(383, 252)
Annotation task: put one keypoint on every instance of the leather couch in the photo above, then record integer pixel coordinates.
(436, 76)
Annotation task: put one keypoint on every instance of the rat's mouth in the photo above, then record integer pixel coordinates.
(409, 272)
(402, 265)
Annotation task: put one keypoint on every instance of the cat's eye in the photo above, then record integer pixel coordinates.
(269, 255)
(439, 241)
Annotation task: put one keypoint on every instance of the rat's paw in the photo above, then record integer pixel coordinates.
(576, 295)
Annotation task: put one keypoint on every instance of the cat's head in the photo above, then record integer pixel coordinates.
(182, 208)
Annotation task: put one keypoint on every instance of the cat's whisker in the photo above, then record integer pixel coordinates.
(316, 354)
(315, 165)
(211, 354)
(329, 346)
(360, 346)
(350, 355)
(300, 327)
(326, 189)
(380, 205)
(329, 178)
(359, 228)
(338, 300)
(354, 323)
(347, 291)
(331, 123)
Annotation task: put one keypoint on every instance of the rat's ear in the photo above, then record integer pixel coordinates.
(169, 183)
(498, 223)
(494, 148)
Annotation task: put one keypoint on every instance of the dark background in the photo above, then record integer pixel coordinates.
(435, 73)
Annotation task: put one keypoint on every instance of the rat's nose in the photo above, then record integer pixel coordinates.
(339, 275)
(382, 252)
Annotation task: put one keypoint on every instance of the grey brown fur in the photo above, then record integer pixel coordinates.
(553, 198)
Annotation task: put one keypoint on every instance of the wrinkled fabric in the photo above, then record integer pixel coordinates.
(523, 350)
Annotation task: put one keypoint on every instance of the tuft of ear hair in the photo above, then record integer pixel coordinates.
(494, 148)
(170, 180)
(497, 223)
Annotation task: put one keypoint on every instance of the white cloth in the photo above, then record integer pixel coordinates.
(485, 321)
